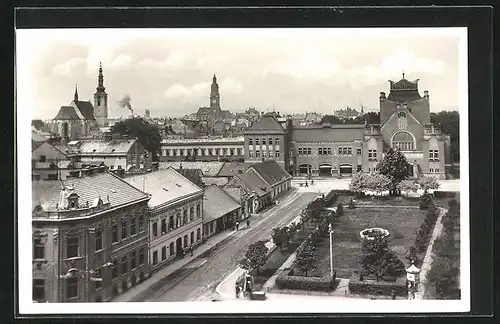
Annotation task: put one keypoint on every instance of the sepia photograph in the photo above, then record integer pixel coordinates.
(259, 170)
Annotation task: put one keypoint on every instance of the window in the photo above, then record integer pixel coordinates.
(181, 152)
(72, 247)
(239, 151)
(172, 251)
(329, 151)
(178, 220)
(300, 150)
(43, 158)
(192, 237)
(264, 154)
(71, 288)
(277, 154)
(124, 264)
(164, 253)
(263, 141)
(167, 152)
(277, 141)
(437, 170)
(185, 217)
(39, 289)
(372, 154)
(431, 170)
(124, 229)
(358, 151)
(198, 234)
(270, 141)
(163, 225)
(257, 154)
(250, 154)
(141, 223)
(191, 214)
(174, 152)
(309, 151)
(114, 270)
(217, 151)
(360, 168)
(155, 229)
(38, 249)
(98, 239)
(132, 227)
(155, 257)
(250, 142)
(231, 152)
(185, 240)
(171, 222)
(211, 227)
(349, 150)
(433, 155)
(198, 211)
(141, 256)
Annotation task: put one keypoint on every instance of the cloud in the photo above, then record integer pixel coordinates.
(231, 86)
(121, 61)
(405, 59)
(69, 67)
(173, 60)
(180, 91)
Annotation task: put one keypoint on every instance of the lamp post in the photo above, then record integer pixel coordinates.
(330, 231)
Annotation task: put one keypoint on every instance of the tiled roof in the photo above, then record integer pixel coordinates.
(206, 110)
(335, 133)
(209, 169)
(217, 203)
(215, 181)
(271, 172)
(164, 186)
(234, 192)
(66, 113)
(254, 183)
(89, 188)
(112, 147)
(231, 168)
(86, 109)
(404, 95)
(193, 175)
(266, 123)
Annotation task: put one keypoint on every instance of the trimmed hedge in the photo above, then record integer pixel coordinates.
(384, 288)
(287, 281)
(445, 194)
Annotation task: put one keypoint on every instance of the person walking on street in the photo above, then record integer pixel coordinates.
(191, 249)
(248, 223)
(237, 291)
(237, 225)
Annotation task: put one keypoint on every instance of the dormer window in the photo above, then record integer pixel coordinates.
(73, 201)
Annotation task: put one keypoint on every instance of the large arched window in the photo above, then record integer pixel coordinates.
(402, 121)
(403, 141)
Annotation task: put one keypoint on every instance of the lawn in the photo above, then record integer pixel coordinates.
(402, 224)
(390, 201)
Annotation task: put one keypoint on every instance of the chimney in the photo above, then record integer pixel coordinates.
(382, 96)
(426, 94)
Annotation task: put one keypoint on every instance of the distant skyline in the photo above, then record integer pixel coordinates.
(169, 71)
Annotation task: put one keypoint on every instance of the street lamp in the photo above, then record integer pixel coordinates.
(330, 231)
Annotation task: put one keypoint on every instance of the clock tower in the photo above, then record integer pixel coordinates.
(215, 97)
(101, 101)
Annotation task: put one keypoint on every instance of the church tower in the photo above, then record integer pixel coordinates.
(215, 97)
(101, 101)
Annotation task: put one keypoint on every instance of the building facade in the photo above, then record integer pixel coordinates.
(340, 150)
(90, 238)
(221, 211)
(202, 149)
(176, 208)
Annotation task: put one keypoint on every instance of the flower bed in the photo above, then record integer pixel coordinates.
(372, 287)
(286, 280)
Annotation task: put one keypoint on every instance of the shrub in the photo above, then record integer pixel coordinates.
(425, 200)
(385, 288)
(445, 194)
(287, 281)
(352, 204)
(340, 209)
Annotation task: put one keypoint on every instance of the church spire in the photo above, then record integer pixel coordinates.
(214, 79)
(100, 79)
(76, 93)
(403, 74)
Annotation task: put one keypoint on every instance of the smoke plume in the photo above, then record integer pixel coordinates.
(125, 103)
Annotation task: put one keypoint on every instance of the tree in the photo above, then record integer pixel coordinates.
(334, 120)
(372, 118)
(427, 183)
(359, 182)
(306, 258)
(278, 236)
(408, 185)
(412, 255)
(395, 166)
(449, 123)
(373, 250)
(378, 182)
(255, 257)
(147, 134)
(425, 200)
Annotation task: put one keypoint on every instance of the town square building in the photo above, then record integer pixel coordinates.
(341, 150)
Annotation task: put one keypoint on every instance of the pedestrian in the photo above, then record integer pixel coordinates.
(307, 184)
(248, 223)
(237, 225)
(312, 182)
(393, 294)
(191, 249)
(237, 291)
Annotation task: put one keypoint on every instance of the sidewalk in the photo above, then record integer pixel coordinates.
(210, 243)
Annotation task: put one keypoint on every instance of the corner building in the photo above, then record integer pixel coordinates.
(340, 150)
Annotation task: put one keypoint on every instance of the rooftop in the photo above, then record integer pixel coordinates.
(217, 203)
(267, 123)
(239, 140)
(164, 186)
(254, 183)
(231, 168)
(271, 172)
(101, 146)
(209, 169)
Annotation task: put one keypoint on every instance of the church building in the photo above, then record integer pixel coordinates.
(81, 119)
(340, 150)
(213, 112)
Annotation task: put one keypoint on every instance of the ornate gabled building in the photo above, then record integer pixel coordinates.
(81, 119)
(341, 150)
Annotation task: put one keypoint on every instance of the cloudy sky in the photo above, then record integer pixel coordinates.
(169, 71)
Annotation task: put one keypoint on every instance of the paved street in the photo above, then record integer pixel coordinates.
(198, 279)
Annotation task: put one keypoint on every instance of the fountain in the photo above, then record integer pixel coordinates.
(371, 233)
